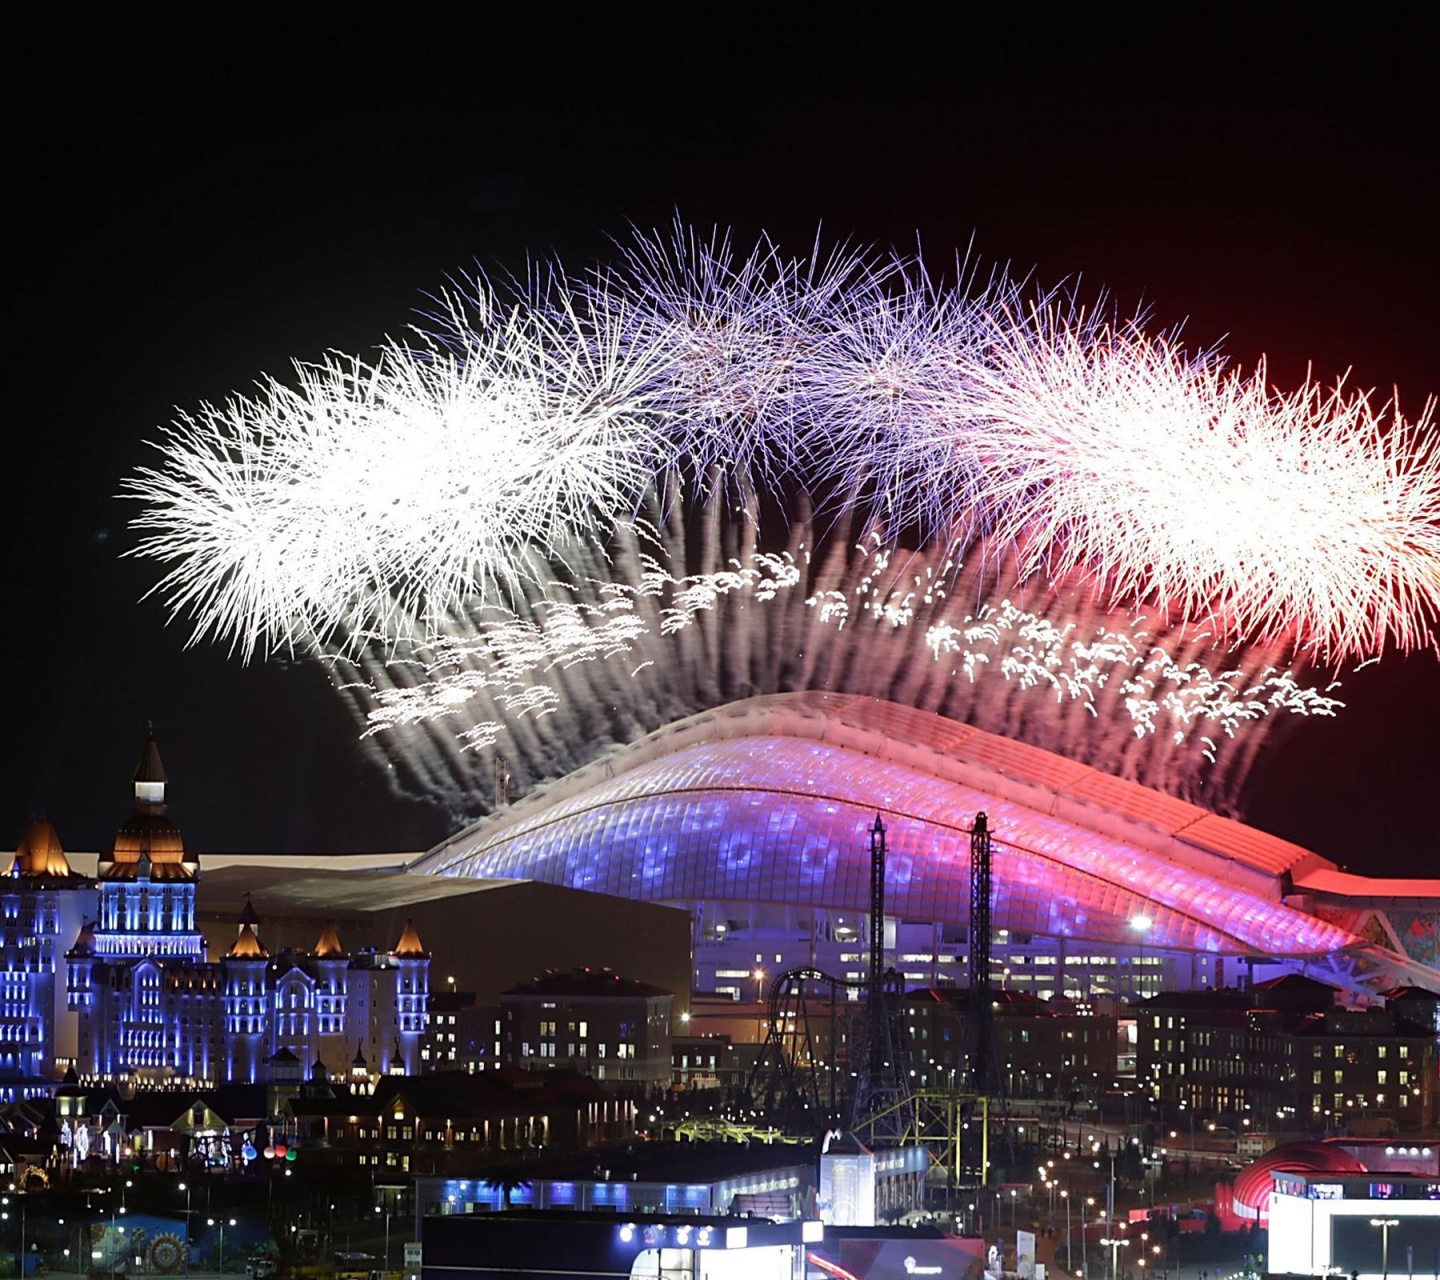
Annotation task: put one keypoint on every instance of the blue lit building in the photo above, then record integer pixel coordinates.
(41, 901)
(152, 1006)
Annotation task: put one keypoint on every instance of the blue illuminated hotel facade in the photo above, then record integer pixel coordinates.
(138, 997)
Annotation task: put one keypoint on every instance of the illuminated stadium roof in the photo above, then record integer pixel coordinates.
(770, 800)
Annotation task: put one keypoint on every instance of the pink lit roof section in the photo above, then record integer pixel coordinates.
(770, 800)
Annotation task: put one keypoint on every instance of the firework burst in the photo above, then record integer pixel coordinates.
(550, 499)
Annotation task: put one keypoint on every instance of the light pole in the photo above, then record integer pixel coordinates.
(221, 1223)
(1069, 1243)
(1084, 1244)
(1384, 1224)
(1115, 1243)
(380, 1209)
(185, 1187)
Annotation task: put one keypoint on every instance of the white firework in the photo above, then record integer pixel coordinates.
(397, 486)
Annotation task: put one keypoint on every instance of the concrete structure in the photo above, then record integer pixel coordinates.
(1325, 1224)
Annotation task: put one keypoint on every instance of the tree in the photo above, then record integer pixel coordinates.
(508, 1183)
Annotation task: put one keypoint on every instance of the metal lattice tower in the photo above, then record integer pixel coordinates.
(881, 1091)
(982, 1015)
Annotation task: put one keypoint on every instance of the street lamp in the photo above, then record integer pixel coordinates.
(1116, 1243)
(380, 1209)
(1069, 1244)
(1084, 1250)
(5, 1214)
(221, 1223)
(1384, 1224)
(185, 1187)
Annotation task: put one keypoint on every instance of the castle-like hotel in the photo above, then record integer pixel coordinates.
(136, 996)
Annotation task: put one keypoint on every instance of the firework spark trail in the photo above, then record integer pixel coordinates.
(655, 645)
(1177, 480)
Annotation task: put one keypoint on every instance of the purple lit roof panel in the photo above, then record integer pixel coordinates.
(786, 820)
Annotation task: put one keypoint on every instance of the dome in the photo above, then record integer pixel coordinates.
(1253, 1184)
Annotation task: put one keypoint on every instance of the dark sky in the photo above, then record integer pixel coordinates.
(193, 214)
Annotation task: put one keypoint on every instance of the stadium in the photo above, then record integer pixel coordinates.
(755, 817)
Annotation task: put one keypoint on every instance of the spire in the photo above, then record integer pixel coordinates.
(409, 948)
(150, 776)
(248, 914)
(329, 948)
(247, 945)
(149, 832)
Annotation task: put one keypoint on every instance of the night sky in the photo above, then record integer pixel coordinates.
(191, 215)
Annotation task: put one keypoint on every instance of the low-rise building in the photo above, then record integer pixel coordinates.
(436, 1123)
(591, 1020)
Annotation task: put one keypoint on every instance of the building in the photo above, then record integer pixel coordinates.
(1287, 1052)
(644, 1177)
(1327, 1223)
(754, 818)
(462, 1034)
(448, 1122)
(41, 905)
(591, 1020)
(153, 1007)
(1042, 1048)
(1365, 1071)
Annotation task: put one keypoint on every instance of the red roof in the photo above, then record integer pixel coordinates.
(1254, 1184)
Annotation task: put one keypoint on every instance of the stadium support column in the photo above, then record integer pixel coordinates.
(982, 1016)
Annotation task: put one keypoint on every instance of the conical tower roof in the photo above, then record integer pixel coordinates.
(84, 944)
(247, 945)
(328, 947)
(409, 948)
(40, 853)
(150, 768)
